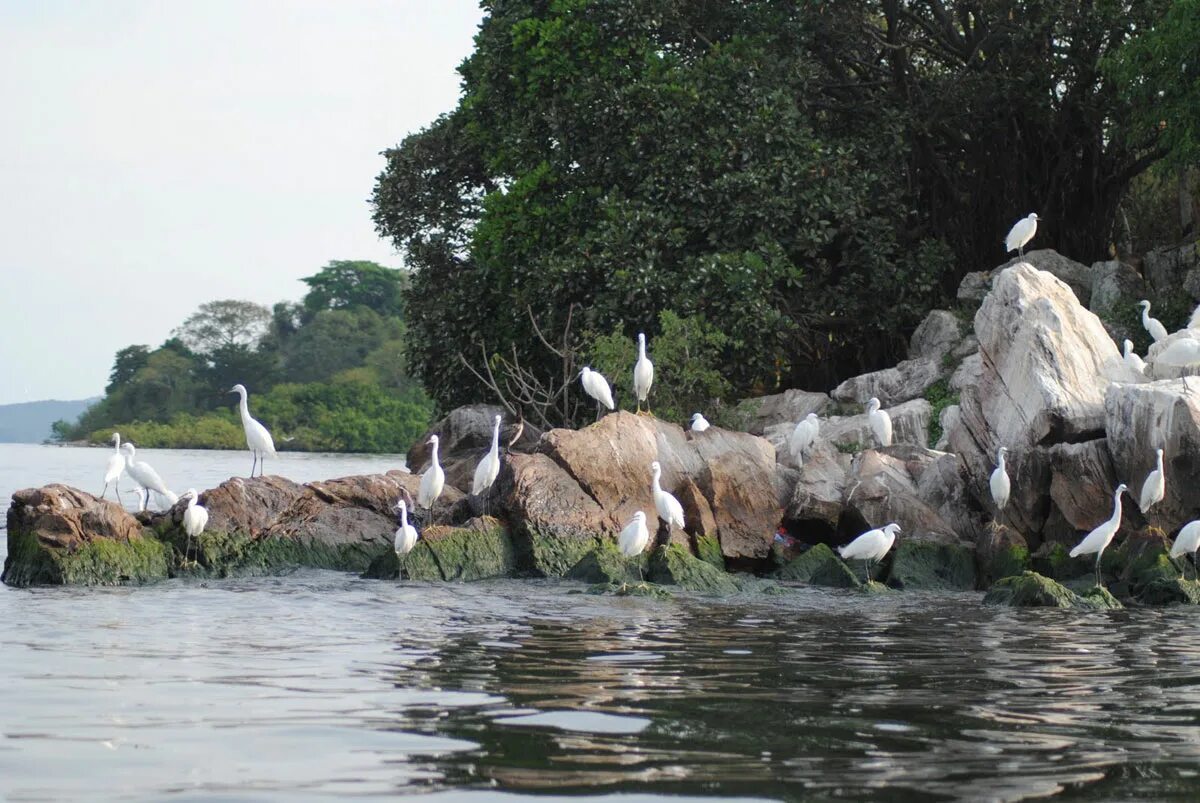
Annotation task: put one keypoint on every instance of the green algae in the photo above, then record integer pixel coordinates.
(708, 549)
(673, 565)
(606, 564)
(818, 566)
(454, 555)
(102, 562)
(924, 565)
(1032, 590)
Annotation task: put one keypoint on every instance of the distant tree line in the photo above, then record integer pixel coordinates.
(806, 179)
(328, 373)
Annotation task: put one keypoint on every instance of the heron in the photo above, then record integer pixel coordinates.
(1153, 325)
(432, 481)
(1021, 233)
(1186, 543)
(1155, 486)
(489, 466)
(258, 439)
(699, 422)
(596, 386)
(1099, 538)
(195, 519)
(667, 506)
(144, 475)
(1000, 484)
(633, 539)
(881, 422)
(803, 436)
(871, 546)
(1133, 360)
(643, 374)
(406, 536)
(115, 468)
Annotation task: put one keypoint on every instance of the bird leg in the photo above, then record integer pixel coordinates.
(1099, 584)
(867, 563)
(254, 463)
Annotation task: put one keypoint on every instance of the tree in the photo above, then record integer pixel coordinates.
(346, 284)
(335, 340)
(126, 364)
(224, 324)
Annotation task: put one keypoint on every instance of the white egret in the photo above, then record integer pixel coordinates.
(1153, 325)
(1187, 542)
(871, 546)
(406, 535)
(115, 468)
(803, 436)
(432, 481)
(258, 439)
(668, 507)
(699, 422)
(1001, 486)
(1133, 360)
(881, 422)
(144, 475)
(1181, 353)
(1099, 538)
(633, 539)
(1155, 486)
(643, 374)
(195, 519)
(489, 466)
(596, 386)
(1021, 233)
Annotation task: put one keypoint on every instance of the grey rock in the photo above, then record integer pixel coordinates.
(788, 407)
(1168, 269)
(1114, 283)
(905, 381)
(1076, 275)
(938, 334)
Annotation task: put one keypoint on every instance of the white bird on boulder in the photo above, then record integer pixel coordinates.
(1099, 538)
(1155, 486)
(144, 475)
(1000, 484)
(871, 546)
(668, 507)
(1181, 353)
(195, 519)
(1153, 325)
(406, 534)
(803, 436)
(596, 386)
(881, 422)
(643, 374)
(489, 466)
(1021, 233)
(1187, 542)
(115, 468)
(699, 423)
(258, 439)
(1133, 360)
(432, 481)
(633, 539)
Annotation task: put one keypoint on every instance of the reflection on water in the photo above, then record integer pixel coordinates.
(325, 685)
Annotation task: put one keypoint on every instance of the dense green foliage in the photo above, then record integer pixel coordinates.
(327, 374)
(809, 178)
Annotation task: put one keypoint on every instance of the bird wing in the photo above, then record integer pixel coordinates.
(1187, 540)
(259, 438)
(1151, 492)
(147, 477)
(485, 473)
(865, 546)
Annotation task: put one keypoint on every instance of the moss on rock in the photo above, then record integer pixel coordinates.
(606, 564)
(221, 554)
(708, 549)
(673, 565)
(1032, 590)
(461, 554)
(101, 562)
(820, 567)
(631, 590)
(924, 565)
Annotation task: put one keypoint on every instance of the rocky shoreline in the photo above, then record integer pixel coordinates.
(1037, 372)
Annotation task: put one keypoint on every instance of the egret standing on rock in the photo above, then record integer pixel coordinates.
(406, 535)
(803, 436)
(1187, 542)
(1021, 233)
(643, 374)
(489, 466)
(699, 422)
(1155, 486)
(597, 387)
(1001, 486)
(1153, 325)
(881, 422)
(258, 439)
(871, 546)
(668, 507)
(1133, 360)
(144, 475)
(633, 539)
(195, 519)
(114, 469)
(432, 481)
(1099, 538)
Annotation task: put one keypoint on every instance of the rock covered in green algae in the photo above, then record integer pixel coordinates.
(606, 564)
(875, 587)
(708, 549)
(1032, 590)
(59, 535)
(1169, 592)
(672, 565)
(630, 590)
(1000, 552)
(820, 567)
(925, 565)
(478, 551)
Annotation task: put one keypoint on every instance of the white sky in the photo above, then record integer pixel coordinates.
(155, 155)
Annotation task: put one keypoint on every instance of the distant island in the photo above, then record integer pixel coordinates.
(33, 422)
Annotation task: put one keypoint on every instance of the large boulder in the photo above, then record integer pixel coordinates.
(1032, 590)
(853, 433)
(936, 336)
(1114, 283)
(465, 433)
(760, 413)
(905, 381)
(1079, 277)
(1173, 268)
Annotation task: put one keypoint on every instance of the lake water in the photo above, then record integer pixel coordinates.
(321, 686)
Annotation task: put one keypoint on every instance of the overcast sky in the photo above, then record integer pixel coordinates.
(156, 155)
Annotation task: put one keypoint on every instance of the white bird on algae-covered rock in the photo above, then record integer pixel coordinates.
(871, 546)
(1155, 486)
(668, 507)
(699, 422)
(1021, 233)
(144, 475)
(803, 436)
(596, 386)
(432, 481)
(1187, 542)
(633, 539)
(881, 422)
(1136, 363)
(406, 535)
(643, 374)
(999, 482)
(1099, 538)
(258, 439)
(1153, 325)
(115, 468)
(195, 519)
